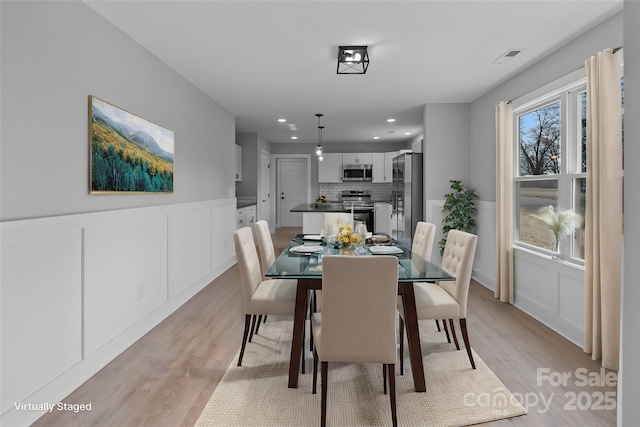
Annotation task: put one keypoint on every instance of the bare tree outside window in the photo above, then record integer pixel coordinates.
(540, 141)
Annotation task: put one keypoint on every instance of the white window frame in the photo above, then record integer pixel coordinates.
(570, 155)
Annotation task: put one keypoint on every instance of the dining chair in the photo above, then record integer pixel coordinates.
(267, 255)
(358, 320)
(422, 244)
(261, 297)
(447, 300)
(332, 220)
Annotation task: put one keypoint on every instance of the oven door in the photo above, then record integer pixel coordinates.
(364, 216)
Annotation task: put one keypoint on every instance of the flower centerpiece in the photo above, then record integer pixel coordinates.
(561, 223)
(346, 238)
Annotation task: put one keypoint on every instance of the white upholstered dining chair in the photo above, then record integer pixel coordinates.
(267, 257)
(358, 318)
(332, 220)
(261, 297)
(423, 238)
(448, 299)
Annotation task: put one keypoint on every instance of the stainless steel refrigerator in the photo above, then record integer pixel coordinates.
(407, 196)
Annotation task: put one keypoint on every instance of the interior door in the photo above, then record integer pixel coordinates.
(265, 189)
(292, 190)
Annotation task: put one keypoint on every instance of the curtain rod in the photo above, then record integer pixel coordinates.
(615, 50)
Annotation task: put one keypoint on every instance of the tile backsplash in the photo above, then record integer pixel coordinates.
(246, 200)
(379, 191)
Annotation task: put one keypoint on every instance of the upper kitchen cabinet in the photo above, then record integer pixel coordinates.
(388, 165)
(238, 162)
(378, 167)
(357, 158)
(330, 168)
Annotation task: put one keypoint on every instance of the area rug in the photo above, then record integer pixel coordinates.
(256, 393)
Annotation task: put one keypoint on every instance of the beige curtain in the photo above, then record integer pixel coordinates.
(603, 221)
(504, 202)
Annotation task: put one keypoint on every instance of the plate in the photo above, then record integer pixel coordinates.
(312, 237)
(380, 250)
(306, 249)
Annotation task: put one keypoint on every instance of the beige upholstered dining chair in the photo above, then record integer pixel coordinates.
(423, 237)
(447, 300)
(267, 256)
(261, 297)
(333, 219)
(357, 323)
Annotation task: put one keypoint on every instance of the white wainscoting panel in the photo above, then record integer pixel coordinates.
(77, 290)
(189, 248)
(125, 275)
(41, 311)
(551, 291)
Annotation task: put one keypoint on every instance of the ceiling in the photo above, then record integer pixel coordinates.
(263, 60)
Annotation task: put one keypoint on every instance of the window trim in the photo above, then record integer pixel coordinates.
(566, 91)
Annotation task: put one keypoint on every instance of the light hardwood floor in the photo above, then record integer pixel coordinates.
(167, 377)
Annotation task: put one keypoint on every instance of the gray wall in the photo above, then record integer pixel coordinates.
(56, 54)
(446, 148)
(565, 60)
(629, 386)
(249, 184)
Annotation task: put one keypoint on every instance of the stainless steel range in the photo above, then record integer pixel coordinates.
(360, 202)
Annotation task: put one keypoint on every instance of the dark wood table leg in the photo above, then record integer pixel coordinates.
(413, 336)
(298, 322)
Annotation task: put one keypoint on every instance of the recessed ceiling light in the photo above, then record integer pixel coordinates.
(376, 137)
(407, 133)
(391, 120)
(281, 120)
(294, 137)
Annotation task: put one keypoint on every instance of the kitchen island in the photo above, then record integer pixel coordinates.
(313, 215)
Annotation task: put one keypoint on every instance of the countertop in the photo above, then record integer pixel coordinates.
(326, 207)
(242, 205)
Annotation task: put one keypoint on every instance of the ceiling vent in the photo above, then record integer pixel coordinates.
(507, 56)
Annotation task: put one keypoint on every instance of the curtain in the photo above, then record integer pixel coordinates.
(603, 218)
(504, 202)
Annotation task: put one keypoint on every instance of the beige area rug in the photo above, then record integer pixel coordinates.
(256, 393)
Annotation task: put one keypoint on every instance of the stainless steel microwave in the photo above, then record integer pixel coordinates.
(357, 173)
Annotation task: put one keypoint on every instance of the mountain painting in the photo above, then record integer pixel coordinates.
(128, 153)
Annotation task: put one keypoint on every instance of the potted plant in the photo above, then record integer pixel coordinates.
(460, 211)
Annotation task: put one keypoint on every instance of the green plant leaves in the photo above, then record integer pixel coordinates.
(460, 211)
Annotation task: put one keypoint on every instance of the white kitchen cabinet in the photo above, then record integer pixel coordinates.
(238, 162)
(357, 158)
(388, 165)
(246, 217)
(330, 168)
(382, 218)
(378, 167)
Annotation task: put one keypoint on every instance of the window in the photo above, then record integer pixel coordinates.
(550, 133)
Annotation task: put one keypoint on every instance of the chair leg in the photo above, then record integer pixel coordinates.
(304, 329)
(401, 340)
(247, 323)
(258, 325)
(453, 333)
(384, 377)
(315, 371)
(446, 330)
(391, 372)
(438, 325)
(465, 337)
(313, 310)
(325, 386)
(253, 326)
(264, 319)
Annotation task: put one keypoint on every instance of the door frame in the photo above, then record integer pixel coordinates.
(274, 178)
(261, 196)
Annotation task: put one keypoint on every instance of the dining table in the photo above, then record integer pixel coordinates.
(301, 259)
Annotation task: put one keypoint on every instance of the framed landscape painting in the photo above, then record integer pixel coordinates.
(128, 153)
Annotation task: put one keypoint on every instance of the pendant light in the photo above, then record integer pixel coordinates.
(319, 146)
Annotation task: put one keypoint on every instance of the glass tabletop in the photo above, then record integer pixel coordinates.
(306, 262)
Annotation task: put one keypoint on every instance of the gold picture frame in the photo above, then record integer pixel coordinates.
(128, 154)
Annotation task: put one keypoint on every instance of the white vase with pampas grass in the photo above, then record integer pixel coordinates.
(561, 223)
